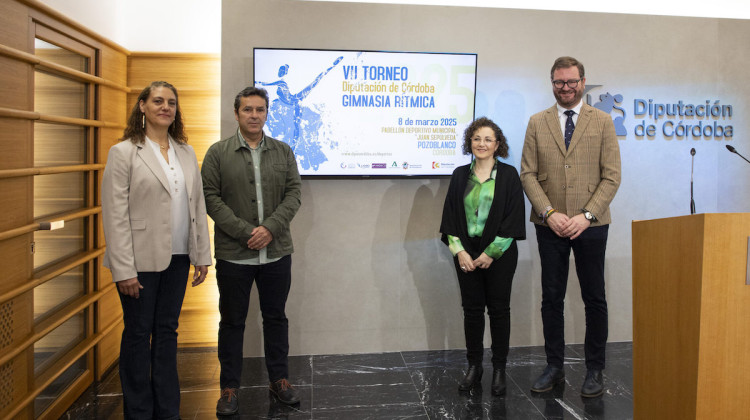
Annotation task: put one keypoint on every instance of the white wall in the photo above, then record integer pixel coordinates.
(720, 8)
(370, 274)
(146, 25)
(195, 25)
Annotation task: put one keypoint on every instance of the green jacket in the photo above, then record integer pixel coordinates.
(228, 185)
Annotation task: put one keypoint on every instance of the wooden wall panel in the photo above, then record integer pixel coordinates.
(114, 66)
(15, 319)
(16, 315)
(112, 110)
(15, 377)
(17, 149)
(17, 251)
(199, 319)
(19, 21)
(17, 154)
(113, 105)
(184, 71)
(197, 79)
(14, 24)
(14, 381)
(18, 199)
(105, 277)
(201, 113)
(108, 351)
(109, 308)
(108, 137)
(15, 84)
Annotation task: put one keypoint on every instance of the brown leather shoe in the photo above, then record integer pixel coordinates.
(228, 404)
(284, 392)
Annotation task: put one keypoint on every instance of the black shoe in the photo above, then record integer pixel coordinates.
(593, 386)
(548, 379)
(473, 377)
(498, 382)
(284, 392)
(228, 404)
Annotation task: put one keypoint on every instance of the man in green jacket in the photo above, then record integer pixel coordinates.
(252, 189)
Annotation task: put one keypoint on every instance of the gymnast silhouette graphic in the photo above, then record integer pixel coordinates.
(304, 121)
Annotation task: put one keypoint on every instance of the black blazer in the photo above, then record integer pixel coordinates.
(506, 217)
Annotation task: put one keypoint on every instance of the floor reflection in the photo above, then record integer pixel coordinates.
(403, 385)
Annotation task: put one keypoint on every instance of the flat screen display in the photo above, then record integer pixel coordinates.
(369, 113)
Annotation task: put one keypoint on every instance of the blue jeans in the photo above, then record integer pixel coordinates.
(235, 281)
(148, 350)
(554, 252)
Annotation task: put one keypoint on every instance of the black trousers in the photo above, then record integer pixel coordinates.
(148, 350)
(488, 288)
(554, 252)
(235, 281)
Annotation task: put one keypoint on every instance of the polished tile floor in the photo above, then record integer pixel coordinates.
(404, 385)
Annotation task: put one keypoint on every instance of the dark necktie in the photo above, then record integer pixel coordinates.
(569, 127)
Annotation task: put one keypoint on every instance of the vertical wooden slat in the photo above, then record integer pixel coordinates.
(108, 350)
(112, 107)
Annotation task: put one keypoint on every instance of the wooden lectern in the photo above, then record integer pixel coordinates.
(691, 317)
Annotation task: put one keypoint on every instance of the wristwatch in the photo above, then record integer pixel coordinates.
(587, 214)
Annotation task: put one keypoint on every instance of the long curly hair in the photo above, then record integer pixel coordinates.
(502, 148)
(135, 131)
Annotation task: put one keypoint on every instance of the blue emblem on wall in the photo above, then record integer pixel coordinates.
(607, 103)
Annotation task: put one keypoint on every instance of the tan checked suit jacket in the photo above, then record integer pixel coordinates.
(586, 175)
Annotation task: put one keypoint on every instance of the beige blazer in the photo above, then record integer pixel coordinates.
(136, 211)
(586, 175)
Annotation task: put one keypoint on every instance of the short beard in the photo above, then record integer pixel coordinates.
(576, 98)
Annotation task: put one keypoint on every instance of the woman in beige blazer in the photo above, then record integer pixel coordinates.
(155, 226)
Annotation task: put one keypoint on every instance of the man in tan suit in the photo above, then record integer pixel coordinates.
(570, 170)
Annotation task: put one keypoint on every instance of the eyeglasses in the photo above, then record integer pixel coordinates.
(573, 83)
(477, 140)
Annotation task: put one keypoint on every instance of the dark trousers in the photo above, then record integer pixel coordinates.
(148, 350)
(554, 252)
(488, 288)
(235, 281)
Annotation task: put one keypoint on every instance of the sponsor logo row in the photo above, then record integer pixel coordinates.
(394, 164)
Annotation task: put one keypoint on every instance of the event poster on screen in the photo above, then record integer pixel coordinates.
(367, 113)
